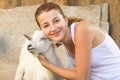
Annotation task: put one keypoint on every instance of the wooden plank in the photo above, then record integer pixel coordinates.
(84, 2)
(8, 3)
(97, 1)
(31, 2)
(59, 2)
(114, 18)
(72, 2)
(2, 4)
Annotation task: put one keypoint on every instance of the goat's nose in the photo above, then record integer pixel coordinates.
(29, 46)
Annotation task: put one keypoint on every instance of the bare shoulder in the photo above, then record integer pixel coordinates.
(86, 30)
(84, 26)
(91, 31)
(84, 23)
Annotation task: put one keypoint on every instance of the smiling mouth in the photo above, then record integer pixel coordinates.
(56, 33)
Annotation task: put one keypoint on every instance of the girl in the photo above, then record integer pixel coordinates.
(91, 50)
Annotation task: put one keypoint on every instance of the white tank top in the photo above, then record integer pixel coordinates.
(105, 61)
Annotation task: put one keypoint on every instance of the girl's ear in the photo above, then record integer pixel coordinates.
(28, 37)
(66, 20)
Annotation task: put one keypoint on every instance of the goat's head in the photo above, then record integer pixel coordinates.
(38, 43)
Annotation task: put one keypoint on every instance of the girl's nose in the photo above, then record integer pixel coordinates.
(53, 27)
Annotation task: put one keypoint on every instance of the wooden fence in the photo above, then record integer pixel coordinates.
(114, 10)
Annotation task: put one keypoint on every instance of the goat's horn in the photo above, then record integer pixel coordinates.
(28, 37)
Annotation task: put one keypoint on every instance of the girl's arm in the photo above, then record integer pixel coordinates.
(83, 44)
(63, 72)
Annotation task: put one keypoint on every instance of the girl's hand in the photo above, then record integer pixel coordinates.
(43, 59)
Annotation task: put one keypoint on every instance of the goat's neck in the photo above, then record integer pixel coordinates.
(50, 55)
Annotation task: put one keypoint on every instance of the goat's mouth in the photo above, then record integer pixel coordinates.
(30, 49)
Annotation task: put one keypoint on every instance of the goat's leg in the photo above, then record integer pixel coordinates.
(19, 72)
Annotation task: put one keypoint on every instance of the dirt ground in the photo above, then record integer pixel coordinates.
(7, 71)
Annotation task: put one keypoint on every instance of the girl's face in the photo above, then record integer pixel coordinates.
(54, 25)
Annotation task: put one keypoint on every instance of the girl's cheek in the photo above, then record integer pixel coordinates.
(46, 31)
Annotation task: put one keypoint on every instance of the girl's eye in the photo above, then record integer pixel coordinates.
(45, 26)
(43, 38)
(56, 21)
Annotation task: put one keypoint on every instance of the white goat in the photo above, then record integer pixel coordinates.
(29, 67)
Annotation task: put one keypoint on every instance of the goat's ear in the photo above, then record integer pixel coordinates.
(58, 44)
(28, 37)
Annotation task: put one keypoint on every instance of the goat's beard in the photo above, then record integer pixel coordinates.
(34, 54)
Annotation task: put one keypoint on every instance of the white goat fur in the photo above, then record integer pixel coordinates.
(30, 68)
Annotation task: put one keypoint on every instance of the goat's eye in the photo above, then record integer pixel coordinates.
(43, 38)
